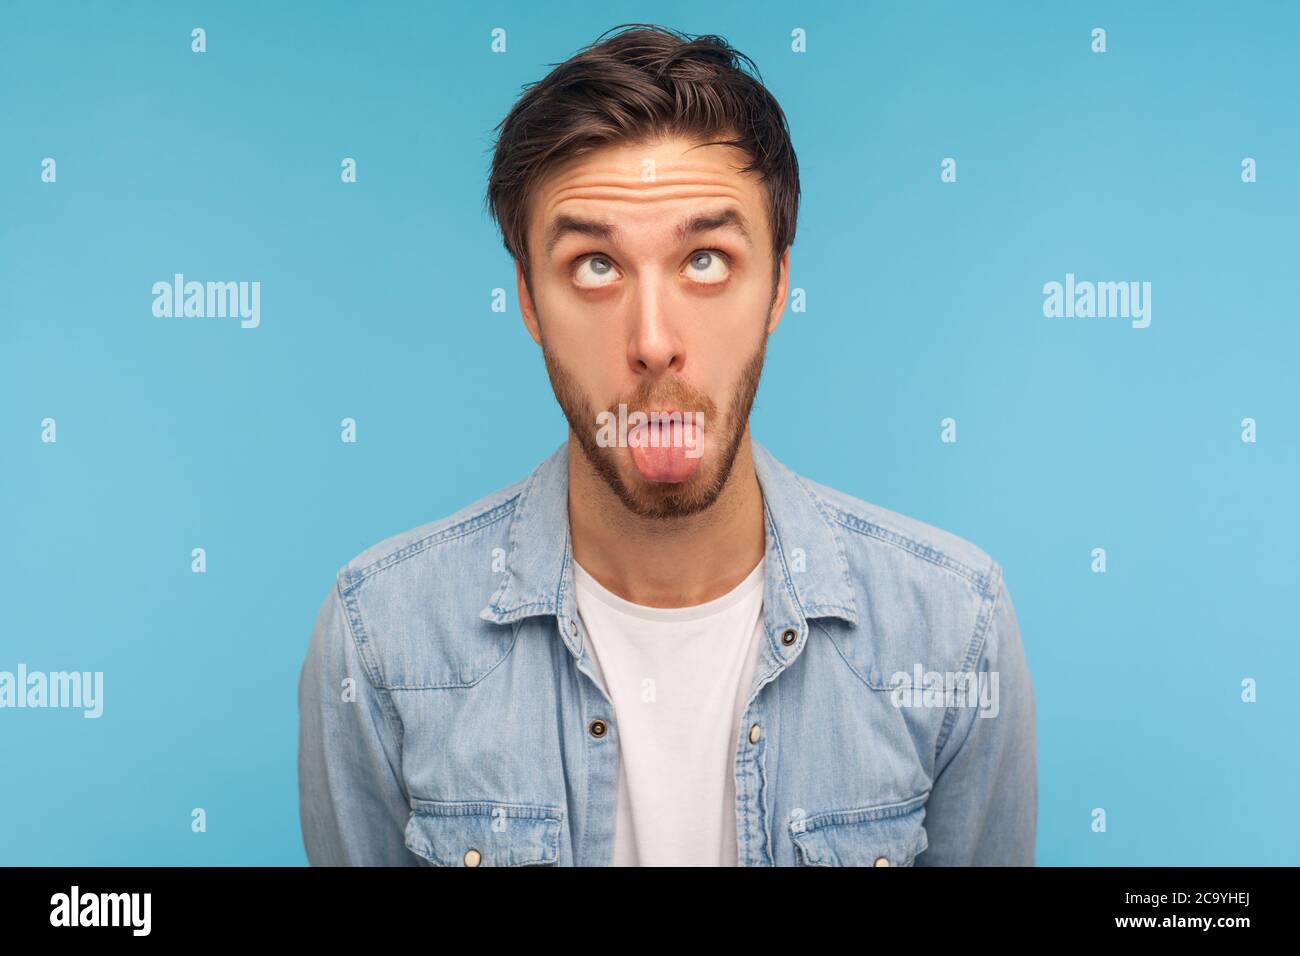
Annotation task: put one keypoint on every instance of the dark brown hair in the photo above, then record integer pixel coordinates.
(640, 83)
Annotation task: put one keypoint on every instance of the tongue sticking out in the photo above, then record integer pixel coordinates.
(665, 451)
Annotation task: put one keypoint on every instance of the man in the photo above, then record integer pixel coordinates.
(663, 647)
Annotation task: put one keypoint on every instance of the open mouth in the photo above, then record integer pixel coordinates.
(668, 447)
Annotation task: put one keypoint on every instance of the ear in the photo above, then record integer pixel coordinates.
(526, 304)
(782, 288)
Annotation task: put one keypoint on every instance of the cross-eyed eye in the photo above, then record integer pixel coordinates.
(595, 272)
(707, 267)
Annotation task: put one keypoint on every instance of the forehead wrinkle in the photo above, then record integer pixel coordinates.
(601, 227)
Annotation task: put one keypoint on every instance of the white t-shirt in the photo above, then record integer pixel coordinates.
(679, 680)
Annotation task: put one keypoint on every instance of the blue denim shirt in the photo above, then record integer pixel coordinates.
(449, 715)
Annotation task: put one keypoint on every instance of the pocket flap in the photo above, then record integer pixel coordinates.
(889, 835)
(484, 833)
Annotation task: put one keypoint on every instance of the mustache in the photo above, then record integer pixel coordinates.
(665, 394)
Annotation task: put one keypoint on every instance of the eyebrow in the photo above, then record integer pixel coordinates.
(564, 225)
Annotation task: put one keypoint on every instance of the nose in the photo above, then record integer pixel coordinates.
(654, 345)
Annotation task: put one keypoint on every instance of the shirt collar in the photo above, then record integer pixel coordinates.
(806, 570)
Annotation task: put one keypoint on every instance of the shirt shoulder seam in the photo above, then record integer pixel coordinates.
(352, 578)
(917, 549)
(979, 641)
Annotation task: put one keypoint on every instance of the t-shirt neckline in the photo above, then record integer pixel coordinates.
(584, 582)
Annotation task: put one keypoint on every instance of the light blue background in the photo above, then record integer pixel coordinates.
(924, 301)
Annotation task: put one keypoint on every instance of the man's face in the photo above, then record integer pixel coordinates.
(652, 289)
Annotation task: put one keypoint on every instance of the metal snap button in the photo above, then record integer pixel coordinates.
(881, 861)
(754, 733)
(597, 728)
(789, 637)
(473, 857)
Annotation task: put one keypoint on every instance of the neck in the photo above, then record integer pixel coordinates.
(667, 562)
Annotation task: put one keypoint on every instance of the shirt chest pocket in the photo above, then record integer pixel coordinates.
(890, 835)
(484, 833)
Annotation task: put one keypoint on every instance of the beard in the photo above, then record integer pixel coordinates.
(649, 499)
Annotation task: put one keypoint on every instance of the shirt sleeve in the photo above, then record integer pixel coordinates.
(983, 806)
(352, 803)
